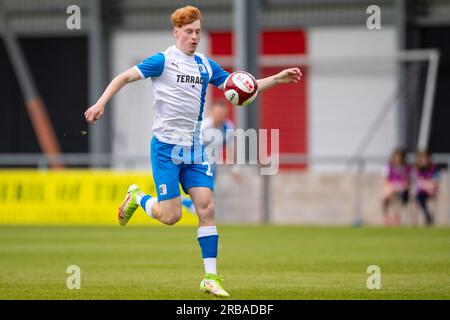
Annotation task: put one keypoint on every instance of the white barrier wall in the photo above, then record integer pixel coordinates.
(316, 198)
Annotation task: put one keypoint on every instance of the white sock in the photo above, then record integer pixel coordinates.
(210, 265)
(149, 205)
(206, 231)
(150, 201)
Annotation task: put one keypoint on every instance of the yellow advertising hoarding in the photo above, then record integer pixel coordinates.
(72, 197)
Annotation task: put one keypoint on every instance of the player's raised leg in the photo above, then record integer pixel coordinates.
(208, 239)
(166, 211)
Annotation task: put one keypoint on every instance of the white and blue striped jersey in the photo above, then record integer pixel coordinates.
(180, 82)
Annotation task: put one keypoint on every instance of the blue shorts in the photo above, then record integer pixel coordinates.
(173, 164)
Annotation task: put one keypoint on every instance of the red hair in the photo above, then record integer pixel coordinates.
(185, 15)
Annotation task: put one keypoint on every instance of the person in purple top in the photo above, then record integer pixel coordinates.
(425, 176)
(395, 186)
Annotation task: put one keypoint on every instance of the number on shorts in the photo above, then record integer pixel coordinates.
(208, 171)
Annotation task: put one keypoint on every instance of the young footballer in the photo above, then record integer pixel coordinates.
(180, 77)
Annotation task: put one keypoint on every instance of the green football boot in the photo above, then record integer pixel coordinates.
(129, 205)
(212, 284)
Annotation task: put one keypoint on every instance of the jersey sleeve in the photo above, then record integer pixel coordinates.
(152, 66)
(218, 74)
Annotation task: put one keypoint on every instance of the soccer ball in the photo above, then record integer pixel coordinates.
(240, 88)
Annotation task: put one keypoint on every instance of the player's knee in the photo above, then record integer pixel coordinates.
(170, 217)
(206, 208)
(172, 220)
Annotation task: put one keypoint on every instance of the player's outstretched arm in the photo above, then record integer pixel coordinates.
(95, 112)
(290, 75)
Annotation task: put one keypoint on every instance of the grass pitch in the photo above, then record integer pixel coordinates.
(258, 262)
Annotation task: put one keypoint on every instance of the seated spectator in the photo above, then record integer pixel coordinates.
(395, 186)
(425, 176)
